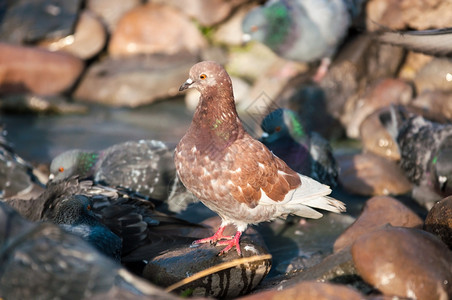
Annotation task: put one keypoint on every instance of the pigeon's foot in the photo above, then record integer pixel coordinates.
(235, 241)
(322, 70)
(214, 238)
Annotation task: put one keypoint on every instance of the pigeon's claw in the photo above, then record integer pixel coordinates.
(234, 241)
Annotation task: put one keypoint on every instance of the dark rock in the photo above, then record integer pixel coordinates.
(377, 212)
(439, 220)
(30, 21)
(405, 262)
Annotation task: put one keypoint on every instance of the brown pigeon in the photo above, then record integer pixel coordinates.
(232, 173)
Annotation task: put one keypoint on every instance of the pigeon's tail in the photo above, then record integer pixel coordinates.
(393, 119)
(313, 194)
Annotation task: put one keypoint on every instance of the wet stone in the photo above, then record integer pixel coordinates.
(224, 276)
(377, 212)
(368, 174)
(405, 262)
(439, 220)
(37, 104)
(30, 21)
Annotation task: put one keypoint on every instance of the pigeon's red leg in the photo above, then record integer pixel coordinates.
(235, 241)
(322, 69)
(214, 238)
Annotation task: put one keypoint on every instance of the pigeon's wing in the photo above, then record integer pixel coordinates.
(145, 167)
(436, 42)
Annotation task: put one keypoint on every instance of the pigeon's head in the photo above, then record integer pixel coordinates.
(73, 210)
(269, 25)
(206, 75)
(73, 162)
(281, 123)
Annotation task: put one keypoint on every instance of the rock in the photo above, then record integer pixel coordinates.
(206, 12)
(30, 103)
(412, 14)
(143, 30)
(384, 93)
(439, 220)
(30, 69)
(433, 76)
(405, 262)
(413, 63)
(25, 21)
(110, 11)
(310, 290)
(88, 39)
(200, 271)
(438, 103)
(369, 175)
(376, 139)
(377, 212)
(134, 81)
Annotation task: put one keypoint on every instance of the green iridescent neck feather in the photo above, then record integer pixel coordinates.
(87, 162)
(279, 20)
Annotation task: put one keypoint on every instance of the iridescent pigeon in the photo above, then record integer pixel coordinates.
(302, 30)
(425, 153)
(145, 167)
(233, 174)
(124, 228)
(42, 261)
(306, 153)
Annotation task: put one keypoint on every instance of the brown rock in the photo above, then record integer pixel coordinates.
(439, 220)
(402, 14)
(369, 175)
(438, 103)
(377, 212)
(88, 39)
(413, 63)
(310, 290)
(136, 80)
(405, 262)
(376, 139)
(434, 76)
(206, 12)
(30, 69)
(385, 92)
(155, 28)
(110, 11)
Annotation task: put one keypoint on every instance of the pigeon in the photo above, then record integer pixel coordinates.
(144, 167)
(234, 174)
(302, 30)
(306, 153)
(425, 153)
(124, 228)
(42, 261)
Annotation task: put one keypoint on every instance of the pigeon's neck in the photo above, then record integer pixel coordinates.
(88, 163)
(215, 123)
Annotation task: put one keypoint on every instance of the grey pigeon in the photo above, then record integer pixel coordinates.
(302, 30)
(42, 261)
(144, 167)
(425, 153)
(233, 174)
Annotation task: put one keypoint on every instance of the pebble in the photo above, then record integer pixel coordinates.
(310, 290)
(135, 80)
(418, 15)
(405, 262)
(437, 102)
(433, 76)
(439, 220)
(31, 69)
(386, 92)
(110, 11)
(377, 212)
(87, 40)
(368, 174)
(155, 28)
(414, 61)
(376, 139)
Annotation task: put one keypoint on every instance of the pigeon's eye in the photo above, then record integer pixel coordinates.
(278, 128)
(203, 76)
(61, 169)
(88, 207)
(254, 28)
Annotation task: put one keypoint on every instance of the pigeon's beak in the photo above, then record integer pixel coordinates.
(187, 84)
(264, 135)
(245, 39)
(51, 177)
